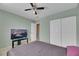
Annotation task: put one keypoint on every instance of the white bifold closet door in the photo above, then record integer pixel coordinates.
(55, 32)
(63, 31)
(69, 31)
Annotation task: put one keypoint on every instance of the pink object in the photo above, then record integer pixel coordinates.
(72, 51)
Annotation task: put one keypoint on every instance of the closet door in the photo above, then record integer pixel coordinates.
(55, 32)
(68, 31)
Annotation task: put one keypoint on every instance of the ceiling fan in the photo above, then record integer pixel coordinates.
(35, 8)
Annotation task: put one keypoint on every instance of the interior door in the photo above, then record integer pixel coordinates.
(37, 31)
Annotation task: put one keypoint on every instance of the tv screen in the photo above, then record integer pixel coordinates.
(18, 33)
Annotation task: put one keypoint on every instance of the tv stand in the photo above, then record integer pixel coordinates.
(18, 41)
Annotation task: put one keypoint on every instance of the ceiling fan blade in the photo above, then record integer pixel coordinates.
(27, 9)
(40, 8)
(32, 4)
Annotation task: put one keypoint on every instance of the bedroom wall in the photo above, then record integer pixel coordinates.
(77, 23)
(10, 21)
(45, 23)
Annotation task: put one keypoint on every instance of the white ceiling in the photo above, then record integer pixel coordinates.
(50, 8)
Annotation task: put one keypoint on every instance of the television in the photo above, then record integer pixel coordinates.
(18, 34)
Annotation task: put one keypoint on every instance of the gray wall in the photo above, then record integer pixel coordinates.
(10, 21)
(45, 23)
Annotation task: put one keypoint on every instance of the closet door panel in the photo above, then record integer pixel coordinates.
(68, 31)
(55, 32)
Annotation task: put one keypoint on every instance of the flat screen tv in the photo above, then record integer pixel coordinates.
(18, 34)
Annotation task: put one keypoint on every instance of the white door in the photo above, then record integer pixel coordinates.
(68, 31)
(55, 32)
(33, 31)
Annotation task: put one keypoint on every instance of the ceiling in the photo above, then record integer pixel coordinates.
(50, 9)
